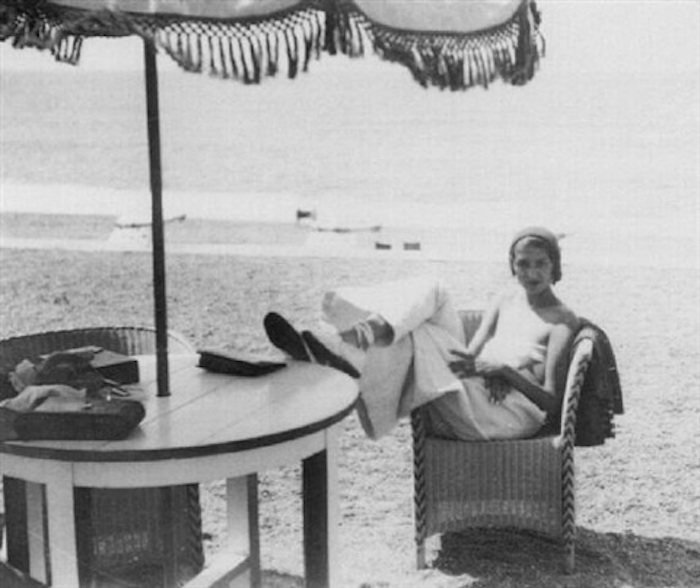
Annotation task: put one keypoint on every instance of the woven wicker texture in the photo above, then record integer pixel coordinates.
(119, 530)
(493, 484)
(126, 340)
(526, 484)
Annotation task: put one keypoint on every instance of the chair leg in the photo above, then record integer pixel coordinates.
(570, 556)
(420, 555)
(569, 511)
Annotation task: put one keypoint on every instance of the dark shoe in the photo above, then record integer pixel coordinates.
(325, 356)
(285, 337)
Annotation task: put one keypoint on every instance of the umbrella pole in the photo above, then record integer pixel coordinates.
(159, 291)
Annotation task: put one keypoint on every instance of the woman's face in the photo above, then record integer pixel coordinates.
(532, 268)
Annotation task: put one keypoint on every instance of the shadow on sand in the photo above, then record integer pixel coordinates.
(513, 559)
(509, 559)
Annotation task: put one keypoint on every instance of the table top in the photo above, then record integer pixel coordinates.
(208, 413)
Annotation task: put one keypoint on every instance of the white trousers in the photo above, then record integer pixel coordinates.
(414, 370)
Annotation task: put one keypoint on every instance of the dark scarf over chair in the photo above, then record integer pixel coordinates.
(601, 393)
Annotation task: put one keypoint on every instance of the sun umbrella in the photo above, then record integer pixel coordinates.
(449, 44)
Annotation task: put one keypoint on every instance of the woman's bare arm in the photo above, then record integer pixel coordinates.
(486, 329)
(463, 364)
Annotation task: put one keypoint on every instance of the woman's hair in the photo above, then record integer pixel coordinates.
(543, 238)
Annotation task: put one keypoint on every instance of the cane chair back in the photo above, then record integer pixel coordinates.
(125, 340)
(523, 483)
(117, 529)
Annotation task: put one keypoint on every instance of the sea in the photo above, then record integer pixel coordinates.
(606, 155)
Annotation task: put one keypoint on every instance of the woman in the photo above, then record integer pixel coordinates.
(405, 343)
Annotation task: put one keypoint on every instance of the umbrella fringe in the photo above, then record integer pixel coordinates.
(41, 33)
(69, 49)
(318, 34)
(273, 55)
(246, 50)
(245, 66)
(235, 70)
(510, 51)
(293, 62)
(61, 32)
(256, 53)
(345, 29)
(250, 49)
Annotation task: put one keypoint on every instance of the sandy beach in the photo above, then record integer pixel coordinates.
(639, 505)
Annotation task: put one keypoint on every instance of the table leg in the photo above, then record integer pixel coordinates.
(61, 522)
(168, 534)
(36, 533)
(321, 515)
(243, 525)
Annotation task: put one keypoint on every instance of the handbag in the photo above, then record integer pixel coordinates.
(92, 419)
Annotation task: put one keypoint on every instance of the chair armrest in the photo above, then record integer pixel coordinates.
(418, 429)
(581, 358)
(420, 498)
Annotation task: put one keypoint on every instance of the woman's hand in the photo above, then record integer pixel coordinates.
(467, 365)
(463, 366)
(498, 389)
(488, 369)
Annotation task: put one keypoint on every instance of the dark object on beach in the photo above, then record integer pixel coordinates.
(235, 364)
(341, 229)
(131, 223)
(305, 214)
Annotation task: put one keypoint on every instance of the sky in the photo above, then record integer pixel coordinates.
(624, 35)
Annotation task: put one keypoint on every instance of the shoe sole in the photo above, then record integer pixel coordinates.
(285, 337)
(325, 356)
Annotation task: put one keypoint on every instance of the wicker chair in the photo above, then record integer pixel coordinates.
(118, 530)
(525, 483)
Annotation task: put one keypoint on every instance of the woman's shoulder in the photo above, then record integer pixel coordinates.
(557, 313)
(566, 318)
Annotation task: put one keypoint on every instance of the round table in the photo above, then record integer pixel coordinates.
(211, 427)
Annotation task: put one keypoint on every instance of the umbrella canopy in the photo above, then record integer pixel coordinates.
(454, 44)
